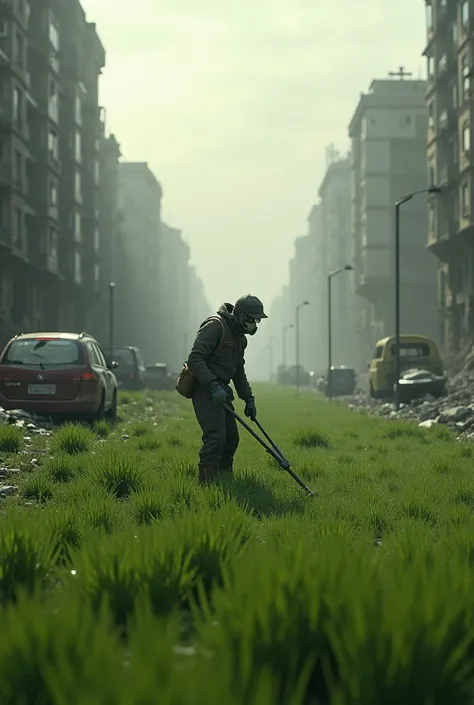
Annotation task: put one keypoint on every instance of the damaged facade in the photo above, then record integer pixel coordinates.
(50, 127)
(449, 96)
(388, 133)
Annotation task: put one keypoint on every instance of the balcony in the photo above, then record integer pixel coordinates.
(448, 175)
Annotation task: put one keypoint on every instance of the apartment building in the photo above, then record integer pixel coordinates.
(138, 289)
(449, 94)
(319, 296)
(50, 62)
(388, 135)
(335, 209)
(106, 239)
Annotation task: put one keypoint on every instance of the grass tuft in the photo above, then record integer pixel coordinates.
(11, 439)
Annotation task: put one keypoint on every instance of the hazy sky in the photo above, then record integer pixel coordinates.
(233, 104)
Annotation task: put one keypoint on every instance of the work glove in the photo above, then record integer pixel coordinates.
(219, 394)
(250, 409)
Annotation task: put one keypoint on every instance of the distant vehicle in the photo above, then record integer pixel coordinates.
(417, 353)
(58, 373)
(159, 377)
(131, 373)
(343, 382)
(289, 375)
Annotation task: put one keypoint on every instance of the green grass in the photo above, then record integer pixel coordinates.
(123, 581)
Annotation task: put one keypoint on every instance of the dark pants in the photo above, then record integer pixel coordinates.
(220, 437)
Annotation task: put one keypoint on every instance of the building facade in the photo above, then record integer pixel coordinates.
(138, 291)
(335, 224)
(449, 96)
(388, 135)
(50, 123)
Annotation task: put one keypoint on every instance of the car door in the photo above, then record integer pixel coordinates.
(108, 374)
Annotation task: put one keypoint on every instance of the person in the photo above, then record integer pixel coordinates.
(220, 436)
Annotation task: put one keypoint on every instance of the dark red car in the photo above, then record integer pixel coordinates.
(58, 373)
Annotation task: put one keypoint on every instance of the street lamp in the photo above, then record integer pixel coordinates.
(270, 358)
(111, 314)
(347, 268)
(407, 197)
(297, 339)
(283, 338)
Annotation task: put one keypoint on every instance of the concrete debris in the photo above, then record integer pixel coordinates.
(455, 410)
(31, 423)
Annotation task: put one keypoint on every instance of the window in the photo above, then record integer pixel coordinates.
(53, 194)
(19, 56)
(52, 248)
(430, 62)
(78, 267)
(53, 103)
(455, 96)
(431, 115)
(429, 18)
(78, 110)
(16, 104)
(96, 273)
(78, 186)
(378, 353)
(465, 199)
(78, 146)
(96, 239)
(54, 36)
(96, 172)
(431, 218)
(465, 12)
(431, 173)
(77, 226)
(412, 350)
(466, 137)
(18, 175)
(53, 147)
(466, 76)
(18, 234)
(53, 352)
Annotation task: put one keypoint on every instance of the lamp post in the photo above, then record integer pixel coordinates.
(407, 197)
(347, 268)
(297, 341)
(270, 358)
(111, 314)
(283, 351)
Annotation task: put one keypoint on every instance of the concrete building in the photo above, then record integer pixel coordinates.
(50, 62)
(99, 315)
(388, 134)
(337, 251)
(174, 275)
(138, 292)
(319, 300)
(449, 95)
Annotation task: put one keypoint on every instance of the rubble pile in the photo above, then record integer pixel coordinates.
(30, 422)
(455, 410)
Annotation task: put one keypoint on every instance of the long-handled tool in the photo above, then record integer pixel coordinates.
(271, 449)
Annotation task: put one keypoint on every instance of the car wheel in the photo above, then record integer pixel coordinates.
(100, 413)
(112, 412)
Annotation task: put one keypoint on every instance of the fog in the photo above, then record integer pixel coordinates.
(233, 105)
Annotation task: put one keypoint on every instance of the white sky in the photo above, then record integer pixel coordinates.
(233, 103)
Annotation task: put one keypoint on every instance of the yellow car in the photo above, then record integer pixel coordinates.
(416, 352)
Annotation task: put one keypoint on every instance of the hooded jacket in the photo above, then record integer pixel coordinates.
(229, 365)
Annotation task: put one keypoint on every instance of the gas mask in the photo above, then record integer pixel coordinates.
(248, 323)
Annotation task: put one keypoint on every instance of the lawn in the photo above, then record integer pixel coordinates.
(123, 582)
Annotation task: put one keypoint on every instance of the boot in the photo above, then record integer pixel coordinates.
(226, 465)
(208, 472)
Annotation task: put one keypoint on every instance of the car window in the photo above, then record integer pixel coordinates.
(93, 354)
(413, 350)
(139, 358)
(44, 352)
(100, 355)
(378, 353)
(124, 356)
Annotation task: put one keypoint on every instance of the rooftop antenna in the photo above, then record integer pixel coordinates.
(401, 73)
